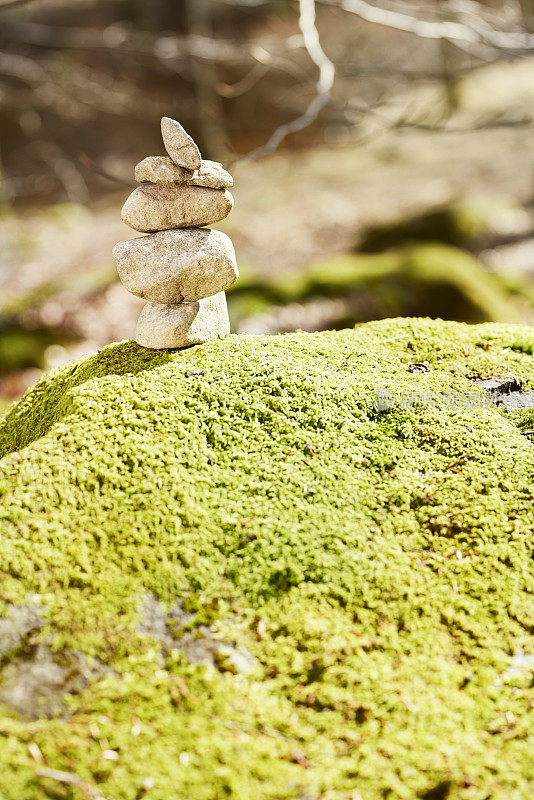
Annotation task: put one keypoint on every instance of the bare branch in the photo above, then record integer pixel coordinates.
(246, 83)
(403, 22)
(64, 170)
(165, 48)
(81, 85)
(89, 164)
(7, 4)
(459, 33)
(324, 83)
(265, 62)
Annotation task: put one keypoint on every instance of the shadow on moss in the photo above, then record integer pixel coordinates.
(22, 425)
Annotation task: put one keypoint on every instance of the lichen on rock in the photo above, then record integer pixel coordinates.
(376, 565)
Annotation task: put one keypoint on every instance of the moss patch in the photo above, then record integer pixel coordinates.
(420, 279)
(459, 223)
(377, 567)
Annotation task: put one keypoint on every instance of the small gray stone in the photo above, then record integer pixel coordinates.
(37, 684)
(179, 145)
(177, 265)
(172, 326)
(176, 630)
(160, 208)
(213, 175)
(160, 624)
(161, 170)
(19, 622)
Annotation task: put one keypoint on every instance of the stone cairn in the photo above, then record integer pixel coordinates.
(181, 268)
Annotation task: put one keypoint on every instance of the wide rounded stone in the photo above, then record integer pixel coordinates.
(183, 324)
(179, 145)
(159, 208)
(163, 171)
(176, 265)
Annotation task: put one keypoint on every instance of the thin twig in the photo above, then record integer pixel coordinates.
(14, 3)
(265, 61)
(63, 168)
(459, 33)
(71, 778)
(324, 83)
(89, 164)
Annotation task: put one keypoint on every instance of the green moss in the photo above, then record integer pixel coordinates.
(21, 346)
(423, 279)
(80, 283)
(378, 566)
(459, 223)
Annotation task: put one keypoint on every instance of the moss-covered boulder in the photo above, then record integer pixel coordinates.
(229, 572)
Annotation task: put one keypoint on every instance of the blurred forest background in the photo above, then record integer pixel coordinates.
(382, 154)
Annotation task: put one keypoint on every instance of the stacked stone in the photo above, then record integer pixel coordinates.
(181, 268)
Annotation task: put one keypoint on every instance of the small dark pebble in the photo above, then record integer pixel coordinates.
(419, 366)
(439, 792)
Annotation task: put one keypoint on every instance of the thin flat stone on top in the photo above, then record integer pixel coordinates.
(179, 145)
(159, 208)
(172, 266)
(164, 172)
(169, 326)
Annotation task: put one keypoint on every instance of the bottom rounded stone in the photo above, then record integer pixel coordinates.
(172, 326)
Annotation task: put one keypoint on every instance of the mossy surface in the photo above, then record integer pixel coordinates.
(376, 566)
(417, 279)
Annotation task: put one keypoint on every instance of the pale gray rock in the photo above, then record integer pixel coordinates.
(172, 266)
(212, 175)
(18, 623)
(160, 208)
(161, 170)
(178, 630)
(179, 145)
(172, 326)
(37, 682)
